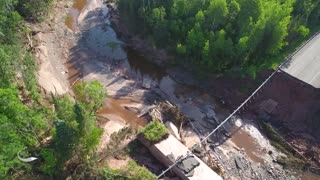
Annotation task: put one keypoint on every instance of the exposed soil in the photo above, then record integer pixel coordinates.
(294, 116)
(51, 43)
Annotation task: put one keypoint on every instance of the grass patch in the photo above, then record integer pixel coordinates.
(154, 132)
(131, 172)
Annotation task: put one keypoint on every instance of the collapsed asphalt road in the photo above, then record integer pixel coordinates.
(305, 64)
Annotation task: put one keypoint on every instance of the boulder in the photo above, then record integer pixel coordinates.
(146, 82)
(192, 111)
(239, 163)
(173, 130)
(211, 114)
(132, 109)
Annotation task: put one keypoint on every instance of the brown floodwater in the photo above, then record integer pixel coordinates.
(79, 4)
(140, 65)
(115, 107)
(310, 176)
(95, 38)
(243, 140)
(71, 19)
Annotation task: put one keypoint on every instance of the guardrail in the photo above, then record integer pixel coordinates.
(289, 57)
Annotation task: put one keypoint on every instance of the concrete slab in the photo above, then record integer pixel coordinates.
(171, 146)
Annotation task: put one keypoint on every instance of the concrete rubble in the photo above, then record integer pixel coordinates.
(170, 149)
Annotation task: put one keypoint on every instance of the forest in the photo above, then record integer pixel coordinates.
(224, 35)
(22, 116)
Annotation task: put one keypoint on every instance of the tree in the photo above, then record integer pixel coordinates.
(10, 22)
(157, 16)
(34, 9)
(277, 25)
(50, 161)
(303, 31)
(91, 95)
(88, 133)
(200, 18)
(64, 142)
(206, 54)
(222, 49)
(234, 9)
(76, 131)
(195, 40)
(20, 127)
(216, 13)
(303, 9)
(6, 67)
(23, 122)
(256, 32)
(181, 49)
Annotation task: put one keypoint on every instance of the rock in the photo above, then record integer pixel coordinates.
(192, 120)
(210, 113)
(208, 110)
(125, 77)
(239, 163)
(192, 112)
(173, 130)
(197, 149)
(156, 114)
(210, 141)
(264, 116)
(132, 109)
(167, 85)
(270, 172)
(145, 110)
(146, 82)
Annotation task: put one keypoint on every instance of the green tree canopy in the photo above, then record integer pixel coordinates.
(223, 34)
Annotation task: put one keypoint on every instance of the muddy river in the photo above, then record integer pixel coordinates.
(117, 106)
(102, 43)
(71, 19)
(243, 140)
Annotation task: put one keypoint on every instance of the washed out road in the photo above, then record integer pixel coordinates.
(305, 64)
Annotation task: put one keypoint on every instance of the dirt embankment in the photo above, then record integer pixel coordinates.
(51, 42)
(296, 113)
